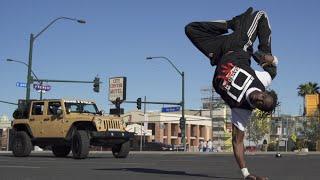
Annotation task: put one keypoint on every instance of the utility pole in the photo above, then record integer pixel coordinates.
(142, 139)
(182, 104)
(145, 121)
(31, 42)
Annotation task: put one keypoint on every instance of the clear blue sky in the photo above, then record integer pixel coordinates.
(119, 35)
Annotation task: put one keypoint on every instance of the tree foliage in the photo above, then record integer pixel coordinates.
(258, 126)
(309, 133)
(308, 88)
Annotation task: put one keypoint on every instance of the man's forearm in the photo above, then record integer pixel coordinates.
(238, 146)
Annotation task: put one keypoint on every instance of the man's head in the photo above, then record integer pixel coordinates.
(265, 101)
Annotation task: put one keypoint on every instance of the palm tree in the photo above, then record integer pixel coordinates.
(307, 88)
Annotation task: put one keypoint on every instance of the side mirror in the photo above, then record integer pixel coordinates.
(101, 112)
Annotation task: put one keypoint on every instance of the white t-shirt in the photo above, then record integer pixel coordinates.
(239, 116)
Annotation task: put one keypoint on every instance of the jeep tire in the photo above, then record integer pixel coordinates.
(21, 144)
(61, 150)
(121, 150)
(80, 144)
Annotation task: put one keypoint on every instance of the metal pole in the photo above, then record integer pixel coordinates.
(8, 139)
(183, 130)
(41, 83)
(287, 136)
(141, 135)
(211, 115)
(153, 102)
(6, 102)
(145, 120)
(29, 67)
(182, 112)
(21, 62)
(32, 38)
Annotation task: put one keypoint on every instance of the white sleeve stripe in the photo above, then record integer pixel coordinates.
(253, 28)
(275, 61)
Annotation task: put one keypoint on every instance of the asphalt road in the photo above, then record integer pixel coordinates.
(157, 166)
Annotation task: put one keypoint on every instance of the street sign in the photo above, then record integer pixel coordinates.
(117, 88)
(170, 109)
(21, 84)
(282, 143)
(42, 87)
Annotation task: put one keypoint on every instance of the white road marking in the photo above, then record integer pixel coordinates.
(28, 167)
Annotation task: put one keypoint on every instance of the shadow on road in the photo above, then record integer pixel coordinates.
(158, 171)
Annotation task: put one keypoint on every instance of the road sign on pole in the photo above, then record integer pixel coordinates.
(170, 109)
(42, 87)
(21, 84)
(117, 88)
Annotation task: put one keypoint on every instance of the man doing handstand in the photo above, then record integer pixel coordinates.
(241, 87)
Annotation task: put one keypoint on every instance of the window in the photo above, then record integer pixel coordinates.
(74, 107)
(37, 108)
(53, 107)
(89, 108)
(152, 126)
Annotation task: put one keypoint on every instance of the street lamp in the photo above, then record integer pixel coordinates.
(21, 62)
(182, 120)
(32, 39)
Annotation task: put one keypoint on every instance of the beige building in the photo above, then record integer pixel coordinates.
(221, 126)
(165, 127)
(5, 126)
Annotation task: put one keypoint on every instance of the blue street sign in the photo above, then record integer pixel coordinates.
(21, 84)
(170, 109)
(42, 87)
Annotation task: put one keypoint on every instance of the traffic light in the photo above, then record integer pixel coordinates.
(182, 123)
(139, 103)
(96, 84)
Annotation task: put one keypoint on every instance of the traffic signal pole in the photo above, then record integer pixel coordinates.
(153, 102)
(96, 82)
(6, 102)
(182, 119)
(29, 78)
(183, 129)
(63, 81)
(32, 39)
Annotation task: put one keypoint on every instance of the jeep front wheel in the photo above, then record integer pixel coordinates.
(61, 150)
(121, 150)
(80, 144)
(21, 144)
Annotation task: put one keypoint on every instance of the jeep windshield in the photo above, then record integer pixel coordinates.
(81, 107)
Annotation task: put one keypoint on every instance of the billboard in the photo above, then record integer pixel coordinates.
(117, 88)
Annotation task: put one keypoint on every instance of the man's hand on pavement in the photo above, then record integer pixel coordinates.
(254, 177)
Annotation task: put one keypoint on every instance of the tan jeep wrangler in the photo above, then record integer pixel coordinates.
(67, 125)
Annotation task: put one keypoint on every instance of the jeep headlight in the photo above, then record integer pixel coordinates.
(98, 123)
(123, 124)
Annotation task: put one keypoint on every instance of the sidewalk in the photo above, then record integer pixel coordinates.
(187, 153)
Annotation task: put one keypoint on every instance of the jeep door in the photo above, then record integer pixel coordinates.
(52, 124)
(36, 118)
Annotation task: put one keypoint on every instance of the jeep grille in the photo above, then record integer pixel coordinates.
(112, 124)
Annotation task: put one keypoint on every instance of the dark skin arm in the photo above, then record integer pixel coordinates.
(238, 146)
(238, 151)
